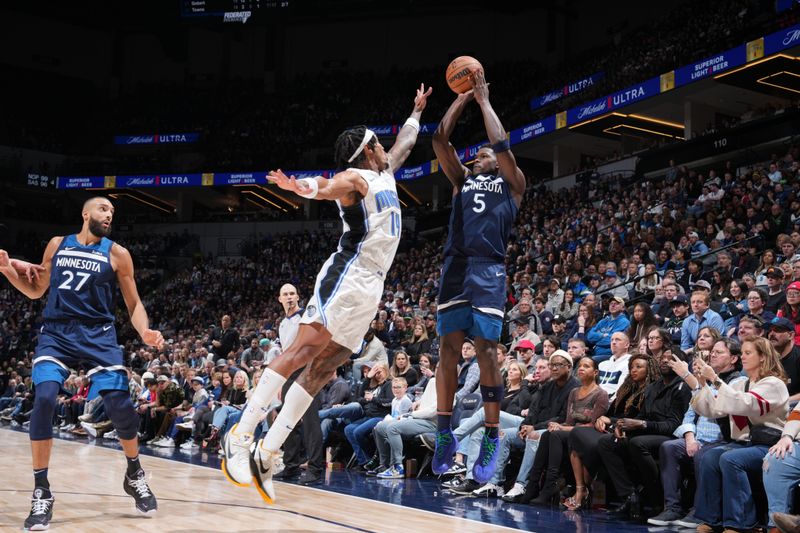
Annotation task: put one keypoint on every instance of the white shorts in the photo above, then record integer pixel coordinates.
(345, 300)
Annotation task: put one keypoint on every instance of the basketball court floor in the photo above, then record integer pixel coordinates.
(193, 496)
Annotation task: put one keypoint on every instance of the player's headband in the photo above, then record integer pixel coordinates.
(367, 136)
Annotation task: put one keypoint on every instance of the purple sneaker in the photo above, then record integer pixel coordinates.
(486, 464)
(446, 446)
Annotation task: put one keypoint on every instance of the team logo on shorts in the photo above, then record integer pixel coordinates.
(311, 310)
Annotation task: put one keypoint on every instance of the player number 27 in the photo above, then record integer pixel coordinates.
(67, 283)
(480, 205)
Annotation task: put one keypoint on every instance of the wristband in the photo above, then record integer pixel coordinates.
(502, 146)
(414, 123)
(313, 185)
(686, 375)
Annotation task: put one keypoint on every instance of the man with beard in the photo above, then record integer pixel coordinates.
(635, 441)
(82, 272)
(781, 336)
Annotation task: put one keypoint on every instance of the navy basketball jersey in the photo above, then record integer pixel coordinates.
(82, 282)
(483, 215)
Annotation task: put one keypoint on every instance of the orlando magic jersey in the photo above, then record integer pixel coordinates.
(482, 217)
(372, 227)
(82, 282)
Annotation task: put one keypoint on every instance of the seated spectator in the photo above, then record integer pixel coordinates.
(781, 336)
(706, 339)
(776, 298)
(545, 316)
(701, 316)
(568, 308)
(585, 405)
(401, 368)
(648, 283)
(642, 320)
(372, 352)
(657, 340)
(760, 273)
(525, 355)
(523, 332)
(695, 435)
(600, 335)
(554, 296)
(680, 312)
(791, 309)
(583, 322)
(637, 440)
(757, 410)
(524, 309)
(389, 434)
(340, 415)
(614, 369)
(576, 348)
(420, 343)
(469, 433)
(583, 441)
(376, 404)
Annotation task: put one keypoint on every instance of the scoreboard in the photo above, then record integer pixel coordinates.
(229, 10)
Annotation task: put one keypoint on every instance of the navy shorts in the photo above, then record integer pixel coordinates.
(472, 295)
(73, 344)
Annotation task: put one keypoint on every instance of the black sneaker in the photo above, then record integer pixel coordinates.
(137, 487)
(373, 463)
(288, 474)
(41, 511)
(428, 440)
(466, 487)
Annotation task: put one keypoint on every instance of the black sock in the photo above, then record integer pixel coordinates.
(133, 465)
(492, 432)
(40, 479)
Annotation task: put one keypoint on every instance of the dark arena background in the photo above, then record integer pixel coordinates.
(661, 217)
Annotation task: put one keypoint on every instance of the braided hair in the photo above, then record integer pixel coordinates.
(347, 143)
(630, 392)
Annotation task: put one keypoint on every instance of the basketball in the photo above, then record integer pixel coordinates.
(459, 71)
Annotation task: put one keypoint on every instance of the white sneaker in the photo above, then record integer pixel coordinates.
(111, 435)
(235, 450)
(90, 429)
(165, 442)
(517, 490)
(186, 425)
(488, 490)
(68, 427)
(262, 471)
(189, 445)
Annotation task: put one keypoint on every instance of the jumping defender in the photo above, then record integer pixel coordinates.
(82, 272)
(473, 283)
(346, 295)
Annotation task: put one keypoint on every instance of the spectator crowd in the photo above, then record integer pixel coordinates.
(652, 342)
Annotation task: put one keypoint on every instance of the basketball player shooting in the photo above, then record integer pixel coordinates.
(473, 283)
(82, 272)
(346, 295)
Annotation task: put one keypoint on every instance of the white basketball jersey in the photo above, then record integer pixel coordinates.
(372, 227)
(287, 330)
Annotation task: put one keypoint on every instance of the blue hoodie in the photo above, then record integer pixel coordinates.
(600, 334)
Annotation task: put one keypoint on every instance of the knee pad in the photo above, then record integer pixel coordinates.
(44, 405)
(119, 409)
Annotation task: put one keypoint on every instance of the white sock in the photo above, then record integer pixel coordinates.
(294, 407)
(266, 391)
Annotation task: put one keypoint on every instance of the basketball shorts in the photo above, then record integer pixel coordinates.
(346, 297)
(73, 344)
(471, 297)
